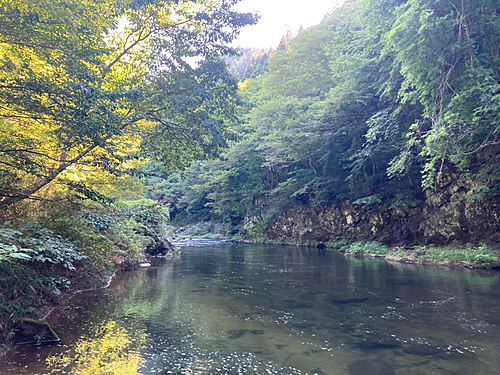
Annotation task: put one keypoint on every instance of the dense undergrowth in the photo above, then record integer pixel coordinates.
(58, 252)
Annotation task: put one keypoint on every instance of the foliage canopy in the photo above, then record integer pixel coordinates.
(88, 88)
(380, 101)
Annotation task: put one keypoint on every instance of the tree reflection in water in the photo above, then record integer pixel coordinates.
(111, 351)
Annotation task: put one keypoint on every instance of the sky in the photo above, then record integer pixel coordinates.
(276, 16)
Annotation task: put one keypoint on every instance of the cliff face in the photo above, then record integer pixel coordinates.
(442, 215)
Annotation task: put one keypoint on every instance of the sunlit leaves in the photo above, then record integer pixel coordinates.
(80, 79)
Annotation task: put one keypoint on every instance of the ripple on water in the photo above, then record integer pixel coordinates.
(281, 311)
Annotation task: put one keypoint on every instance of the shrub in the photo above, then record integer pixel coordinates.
(361, 247)
(476, 256)
(33, 264)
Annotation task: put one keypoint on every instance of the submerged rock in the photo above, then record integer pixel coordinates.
(299, 305)
(376, 345)
(303, 325)
(422, 350)
(236, 333)
(371, 367)
(257, 332)
(317, 371)
(343, 300)
(34, 332)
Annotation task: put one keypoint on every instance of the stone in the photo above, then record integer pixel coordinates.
(317, 371)
(257, 332)
(376, 345)
(300, 305)
(236, 333)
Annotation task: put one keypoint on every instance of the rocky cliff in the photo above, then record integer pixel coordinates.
(440, 216)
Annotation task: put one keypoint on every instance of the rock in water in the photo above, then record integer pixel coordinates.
(34, 332)
(370, 367)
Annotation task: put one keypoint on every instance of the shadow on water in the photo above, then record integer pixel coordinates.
(252, 309)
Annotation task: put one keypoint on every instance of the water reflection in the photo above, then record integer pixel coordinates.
(110, 350)
(247, 309)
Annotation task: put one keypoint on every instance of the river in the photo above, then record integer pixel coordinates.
(266, 309)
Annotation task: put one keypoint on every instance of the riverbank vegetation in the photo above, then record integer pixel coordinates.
(481, 256)
(369, 248)
(90, 93)
(453, 255)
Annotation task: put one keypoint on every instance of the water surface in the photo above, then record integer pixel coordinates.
(254, 309)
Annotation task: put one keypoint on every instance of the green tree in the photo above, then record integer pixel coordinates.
(286, 41)
(447, 55)
(88, 86)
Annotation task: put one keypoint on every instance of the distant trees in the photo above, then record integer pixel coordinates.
(251, 63)
(285, 41)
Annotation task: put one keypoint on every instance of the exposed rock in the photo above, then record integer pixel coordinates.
(161, 245)
(438, 217)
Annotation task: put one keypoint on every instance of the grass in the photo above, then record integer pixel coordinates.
(478, 256)
(360, 248)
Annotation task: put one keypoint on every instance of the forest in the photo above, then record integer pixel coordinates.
(387, 108)
(120, 120)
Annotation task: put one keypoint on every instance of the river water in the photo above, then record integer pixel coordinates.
(265, 309)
